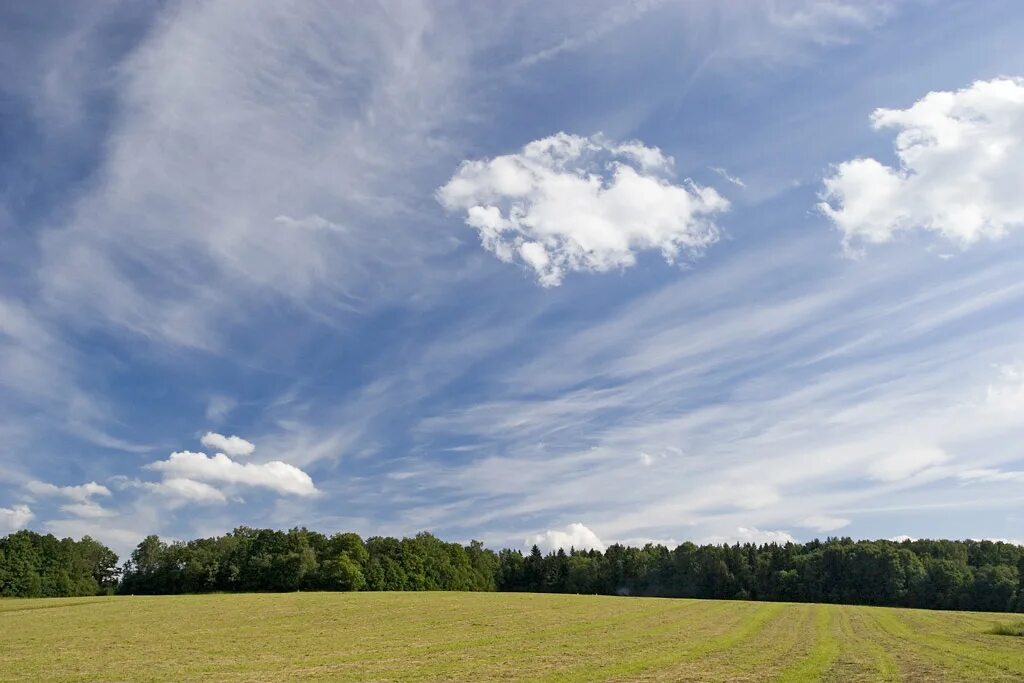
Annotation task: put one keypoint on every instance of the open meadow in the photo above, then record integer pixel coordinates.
(493, 636)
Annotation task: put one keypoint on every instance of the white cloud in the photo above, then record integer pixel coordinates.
(90, 510)
(218, 407)
(311, 222)
(14, 518)
(81, 493)
(575, 535)
(276, 475)
(824, 522)
(567, 203)
(1006, 394)
(907, 462)
(988, 475)
(176, 490)
(731, 178)
(163, 205)
(751, 535)
(230, 445)
(959, 173)
(901, 538)
(187, 489)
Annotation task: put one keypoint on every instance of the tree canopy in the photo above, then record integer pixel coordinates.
(938, 574)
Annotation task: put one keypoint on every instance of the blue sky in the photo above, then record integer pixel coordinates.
(580, 274)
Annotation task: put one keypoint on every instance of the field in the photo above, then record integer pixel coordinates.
(481, 637)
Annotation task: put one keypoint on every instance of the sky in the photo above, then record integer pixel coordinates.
(571, 274)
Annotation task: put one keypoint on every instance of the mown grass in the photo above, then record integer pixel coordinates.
(1015, 629)
(487, 637)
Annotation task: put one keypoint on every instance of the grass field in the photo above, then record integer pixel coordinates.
(482, 637)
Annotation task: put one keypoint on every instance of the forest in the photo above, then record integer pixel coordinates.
(935, 574)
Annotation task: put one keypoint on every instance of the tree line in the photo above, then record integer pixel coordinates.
(37, 566)
(936, 574)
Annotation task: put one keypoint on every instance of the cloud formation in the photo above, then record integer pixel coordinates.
(959, 173)
(82, 504)
(576, 535)
(275, 475)
(14, 518)
(229, 445)
(568, 203)
(907, 462)
(81, 493)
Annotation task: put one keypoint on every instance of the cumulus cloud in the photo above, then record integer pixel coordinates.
(89, 509)
(177, 490)
(229, 445)
(959, 173)
(199, 467)
(907, 462)
(188, 489)
(14, 518)
(824, 522)
(575, 535)
(568, 203)
(82, 495)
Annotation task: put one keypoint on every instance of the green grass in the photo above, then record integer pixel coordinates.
(488, 637)
(1015, 629)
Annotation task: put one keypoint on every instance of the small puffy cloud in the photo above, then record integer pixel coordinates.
(907, 462)
(959, 173)
(276, 475)
(14, 518)
(568, 203)
(751, 535)
(902, 538)
(82, 493)
(575, 535)
(824, 522)
(229, 445)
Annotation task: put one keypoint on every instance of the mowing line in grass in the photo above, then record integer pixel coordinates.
(984, 648)
(822, 654)
(688, 650)
(954, 656)
(882, 665)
